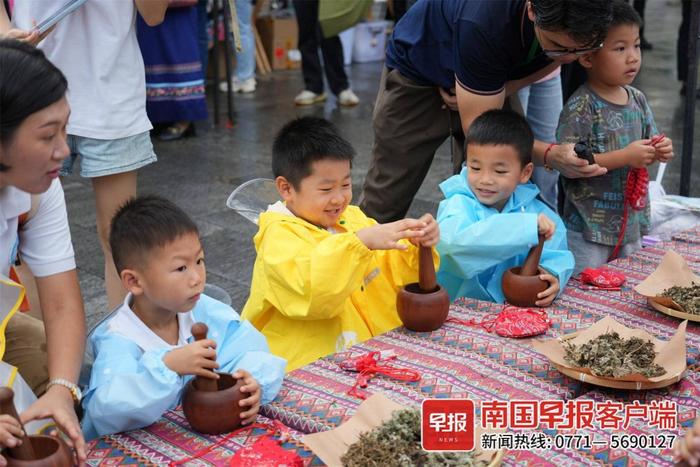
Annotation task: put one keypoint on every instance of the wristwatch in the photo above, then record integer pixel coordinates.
(73, 388)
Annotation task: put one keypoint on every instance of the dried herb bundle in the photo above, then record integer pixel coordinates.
(396, 443)
(687, 297)
(609, 355)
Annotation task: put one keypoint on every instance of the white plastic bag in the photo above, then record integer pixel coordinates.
(656, 190)
(671, 214)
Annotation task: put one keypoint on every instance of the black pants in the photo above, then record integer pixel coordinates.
(682, 44)
(638, 6)
(409, 124)
(310, 38)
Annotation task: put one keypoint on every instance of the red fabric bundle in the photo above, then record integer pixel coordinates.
(512, 322)
(520, 322)
(604, 278)
(266, 452)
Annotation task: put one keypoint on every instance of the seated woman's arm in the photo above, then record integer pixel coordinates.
(45, 246)
(64, 320)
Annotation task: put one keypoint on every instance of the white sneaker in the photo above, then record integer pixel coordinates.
(348, 98)
(307, 97)
(244, 86)
(223, 86)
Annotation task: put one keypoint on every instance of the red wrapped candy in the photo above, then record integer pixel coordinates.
(603, 278)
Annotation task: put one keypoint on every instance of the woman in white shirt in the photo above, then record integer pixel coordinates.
(97, 50)
(32, 150)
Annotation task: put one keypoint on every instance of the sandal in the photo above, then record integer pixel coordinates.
(177, 131)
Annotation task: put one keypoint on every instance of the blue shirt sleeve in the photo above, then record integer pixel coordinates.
(128, 388)
(245, 348)
(241, 347)
(469, 245)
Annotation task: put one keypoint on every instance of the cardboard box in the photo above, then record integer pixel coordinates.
(280, 37)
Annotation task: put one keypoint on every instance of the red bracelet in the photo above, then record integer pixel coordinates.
(546, 151)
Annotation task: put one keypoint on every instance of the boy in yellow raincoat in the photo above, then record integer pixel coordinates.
(326, 275)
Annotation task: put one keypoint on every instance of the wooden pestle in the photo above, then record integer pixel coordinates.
(199, 332)
(532, 261)
(426, 269)
(24, 451)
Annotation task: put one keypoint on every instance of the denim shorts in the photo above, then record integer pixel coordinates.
(100, 157)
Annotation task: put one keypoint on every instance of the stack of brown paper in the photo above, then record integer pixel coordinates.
(330, 445)
(672, 271)
(671, 355)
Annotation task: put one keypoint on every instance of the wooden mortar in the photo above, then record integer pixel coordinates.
(522, 284)
(35, 450)
(423, 306)
(211, 406)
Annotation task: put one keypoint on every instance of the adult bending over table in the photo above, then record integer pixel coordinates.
(467, 55)
(32, 149)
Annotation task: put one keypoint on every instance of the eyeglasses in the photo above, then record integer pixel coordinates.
(551, 53)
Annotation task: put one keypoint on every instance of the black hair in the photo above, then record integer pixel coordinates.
(29, 82)
(586, 21)
(304, 141)
(503, 127)
(624, 14)
(143, 224)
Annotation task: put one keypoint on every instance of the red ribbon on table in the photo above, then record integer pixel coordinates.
(279, 427)
(370, 365)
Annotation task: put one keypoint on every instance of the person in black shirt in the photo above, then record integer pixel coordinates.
(447, 62)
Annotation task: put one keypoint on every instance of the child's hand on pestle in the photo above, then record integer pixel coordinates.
(686, 450)
(547, 296)
(545, 226)
(250, 386)
(431, 232)
(387, 236)
(10, 432)
(197, 358)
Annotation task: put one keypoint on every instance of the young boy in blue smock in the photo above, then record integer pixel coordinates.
(491, 217)
(145, 353)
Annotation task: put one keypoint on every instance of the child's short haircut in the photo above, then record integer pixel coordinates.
(624, 14)
(503, 127)
(143, 224)
(304, 141)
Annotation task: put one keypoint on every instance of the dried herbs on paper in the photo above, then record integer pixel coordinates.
(396, 443)
(609, 355)
(687, 297)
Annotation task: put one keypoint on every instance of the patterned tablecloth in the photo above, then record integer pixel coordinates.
(458, 361)
(171, 439)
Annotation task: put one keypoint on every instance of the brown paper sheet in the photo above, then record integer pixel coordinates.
(671, 271)
(671, 354)
(330, 445)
